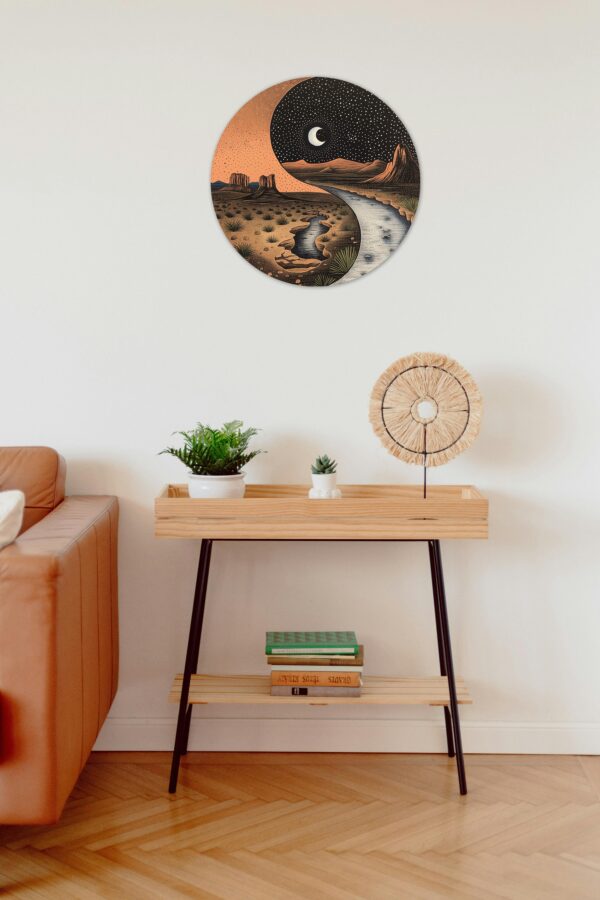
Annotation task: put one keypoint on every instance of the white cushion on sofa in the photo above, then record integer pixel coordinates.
(12, 504)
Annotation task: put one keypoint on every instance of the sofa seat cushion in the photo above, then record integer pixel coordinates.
(12, 504)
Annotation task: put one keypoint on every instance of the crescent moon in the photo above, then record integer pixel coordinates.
(312, 136)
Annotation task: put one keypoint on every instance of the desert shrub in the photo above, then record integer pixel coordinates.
(271, 239)
(281, 220)
(233, 225)
(268, 228)
(409, 203)
(230, 214)
(248, 216)
(267, 217)
(244, 250)
(343, 260)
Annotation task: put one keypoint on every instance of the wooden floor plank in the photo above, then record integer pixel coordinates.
(591, 768)
(316, 827)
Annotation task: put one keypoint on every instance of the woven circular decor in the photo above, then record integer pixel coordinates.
(426, 409)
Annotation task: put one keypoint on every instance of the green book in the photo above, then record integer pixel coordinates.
(311, 643)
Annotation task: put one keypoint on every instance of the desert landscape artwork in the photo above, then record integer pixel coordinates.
(315, 181)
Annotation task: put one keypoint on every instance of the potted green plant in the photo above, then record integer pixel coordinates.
(215, 458)
(324, 479)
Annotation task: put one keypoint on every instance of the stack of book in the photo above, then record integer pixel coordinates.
(314, 663)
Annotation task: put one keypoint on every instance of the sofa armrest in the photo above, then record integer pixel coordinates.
(58, 653)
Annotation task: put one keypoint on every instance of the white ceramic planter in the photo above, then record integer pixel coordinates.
(324, 488)
(216, 487)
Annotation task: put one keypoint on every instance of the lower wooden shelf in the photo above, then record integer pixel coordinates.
(377, 689)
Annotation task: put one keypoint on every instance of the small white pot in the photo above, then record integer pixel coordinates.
(216, 487)
(324, 488)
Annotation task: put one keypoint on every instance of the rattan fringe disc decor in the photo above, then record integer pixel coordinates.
(426, 409)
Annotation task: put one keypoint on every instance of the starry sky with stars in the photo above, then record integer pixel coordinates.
(353, 123)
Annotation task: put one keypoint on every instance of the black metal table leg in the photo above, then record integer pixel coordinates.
(198, 634)
(445, 629)
(440, 642)
(191, 662)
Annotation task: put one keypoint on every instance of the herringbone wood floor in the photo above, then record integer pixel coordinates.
(323, 827)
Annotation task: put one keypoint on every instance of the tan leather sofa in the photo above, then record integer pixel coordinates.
(58, 635)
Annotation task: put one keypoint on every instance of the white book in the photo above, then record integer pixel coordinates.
(317, 668)
(313, 655)
(311, 651)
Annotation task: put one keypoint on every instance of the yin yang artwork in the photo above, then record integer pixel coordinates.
(315, 181)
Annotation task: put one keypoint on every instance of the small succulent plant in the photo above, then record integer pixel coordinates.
(323, 465)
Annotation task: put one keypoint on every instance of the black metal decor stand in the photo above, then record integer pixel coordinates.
(451, 717)
(191, 663)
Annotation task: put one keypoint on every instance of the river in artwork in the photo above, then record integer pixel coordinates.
(305, 240)
(382, 230)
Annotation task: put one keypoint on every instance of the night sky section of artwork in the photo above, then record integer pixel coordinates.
(353, 123)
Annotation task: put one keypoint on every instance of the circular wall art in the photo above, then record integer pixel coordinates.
(426, 409)
(315, 181)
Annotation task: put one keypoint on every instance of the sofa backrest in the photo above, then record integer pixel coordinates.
(37, 471)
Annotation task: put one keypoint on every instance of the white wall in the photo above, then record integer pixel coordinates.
(125, 315)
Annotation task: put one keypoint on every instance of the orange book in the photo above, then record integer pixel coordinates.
(316, 679)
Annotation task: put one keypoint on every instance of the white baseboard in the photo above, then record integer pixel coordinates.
(350, 735)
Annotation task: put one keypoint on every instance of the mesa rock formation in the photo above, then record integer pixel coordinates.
(266, 186)
(403, 169)
(239, 179)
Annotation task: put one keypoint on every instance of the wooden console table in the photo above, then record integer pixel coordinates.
(284, 513)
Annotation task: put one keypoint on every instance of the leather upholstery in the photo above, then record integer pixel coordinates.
(37, 471)
(58, 643)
